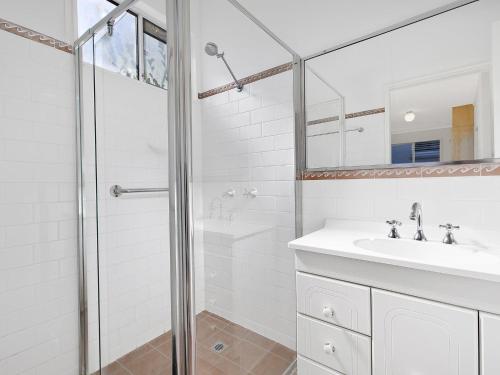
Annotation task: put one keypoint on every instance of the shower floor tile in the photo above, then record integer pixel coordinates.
(244, 352)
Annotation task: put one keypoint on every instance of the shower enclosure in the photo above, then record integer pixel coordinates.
(171, 281)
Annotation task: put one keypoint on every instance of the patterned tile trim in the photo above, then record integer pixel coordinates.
(245, 81)
(347, 116)
(459, 170)
(452, 170)
(34, 36)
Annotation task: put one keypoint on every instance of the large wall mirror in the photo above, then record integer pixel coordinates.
(423, 93)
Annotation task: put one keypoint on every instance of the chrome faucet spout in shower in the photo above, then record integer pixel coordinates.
(212, 49)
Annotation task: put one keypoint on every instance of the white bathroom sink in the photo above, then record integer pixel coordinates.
(415, 249)
(476, 256)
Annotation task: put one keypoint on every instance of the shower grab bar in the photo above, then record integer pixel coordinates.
(117, 190)
(359, 130)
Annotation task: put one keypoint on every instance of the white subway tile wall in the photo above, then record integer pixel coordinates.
(38, 265)
(471, 202)
(248, 144)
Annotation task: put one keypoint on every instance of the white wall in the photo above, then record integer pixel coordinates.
(38, 273)
(50, 17)
(471, 202)
(248, 143)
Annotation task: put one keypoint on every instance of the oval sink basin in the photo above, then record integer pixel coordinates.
(432, 253)
(415, 250)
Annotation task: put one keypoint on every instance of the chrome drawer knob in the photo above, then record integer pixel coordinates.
(329, 348)
(328, 312)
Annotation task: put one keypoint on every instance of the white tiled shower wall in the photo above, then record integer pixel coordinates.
(38, 273)
(471, 202)
(248, 143)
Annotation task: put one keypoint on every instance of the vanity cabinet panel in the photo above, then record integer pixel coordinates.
(307, 367)
(343, 304)
(490, 343)
(416, 336)
(337, 348)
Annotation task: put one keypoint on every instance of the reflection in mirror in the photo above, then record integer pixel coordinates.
(420, 94)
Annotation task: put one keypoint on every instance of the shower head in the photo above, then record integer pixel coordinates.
(211, 49)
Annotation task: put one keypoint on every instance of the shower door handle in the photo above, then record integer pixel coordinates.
(117, 190)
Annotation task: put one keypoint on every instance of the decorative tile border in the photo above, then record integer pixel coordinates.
(34, 36)
(398, 173)
(452, 170)
(490, 169)
(347, 116)
(245, 81)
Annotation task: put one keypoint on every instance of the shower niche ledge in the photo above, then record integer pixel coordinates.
(367, 304)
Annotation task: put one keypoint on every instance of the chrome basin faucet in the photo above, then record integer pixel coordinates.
(416, 214)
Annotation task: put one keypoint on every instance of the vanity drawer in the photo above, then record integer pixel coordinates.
(340, 303)
(307, 367)
(334, 347)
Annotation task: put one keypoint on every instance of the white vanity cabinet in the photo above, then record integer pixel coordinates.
(395, 307)
(417, 336)
(351, 329)
(490, 343)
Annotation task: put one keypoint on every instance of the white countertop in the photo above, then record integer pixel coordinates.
(473, 258)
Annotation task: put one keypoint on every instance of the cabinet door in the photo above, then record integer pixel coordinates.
(490, 344)
(307, 367)
(416, 336)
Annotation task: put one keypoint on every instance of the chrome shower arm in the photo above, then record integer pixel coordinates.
(239, 85)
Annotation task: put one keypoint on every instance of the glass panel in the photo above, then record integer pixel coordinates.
(155, 55)
(117, 52)
(244, 209)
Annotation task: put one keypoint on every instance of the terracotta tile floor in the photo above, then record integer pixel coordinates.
(245, 353)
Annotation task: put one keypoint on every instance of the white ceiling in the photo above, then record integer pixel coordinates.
(315, 25)
(432, 103)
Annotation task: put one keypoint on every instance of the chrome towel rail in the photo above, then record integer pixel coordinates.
(117, 190)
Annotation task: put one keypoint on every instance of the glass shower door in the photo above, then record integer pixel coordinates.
(126, 236)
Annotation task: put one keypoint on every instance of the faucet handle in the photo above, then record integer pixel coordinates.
(394, 230)
(394, 222)
(449, 226)
(449, 238)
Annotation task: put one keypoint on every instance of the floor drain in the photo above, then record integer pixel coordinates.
(219, 347)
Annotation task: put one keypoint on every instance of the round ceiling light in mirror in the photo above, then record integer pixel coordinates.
(410, 116)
